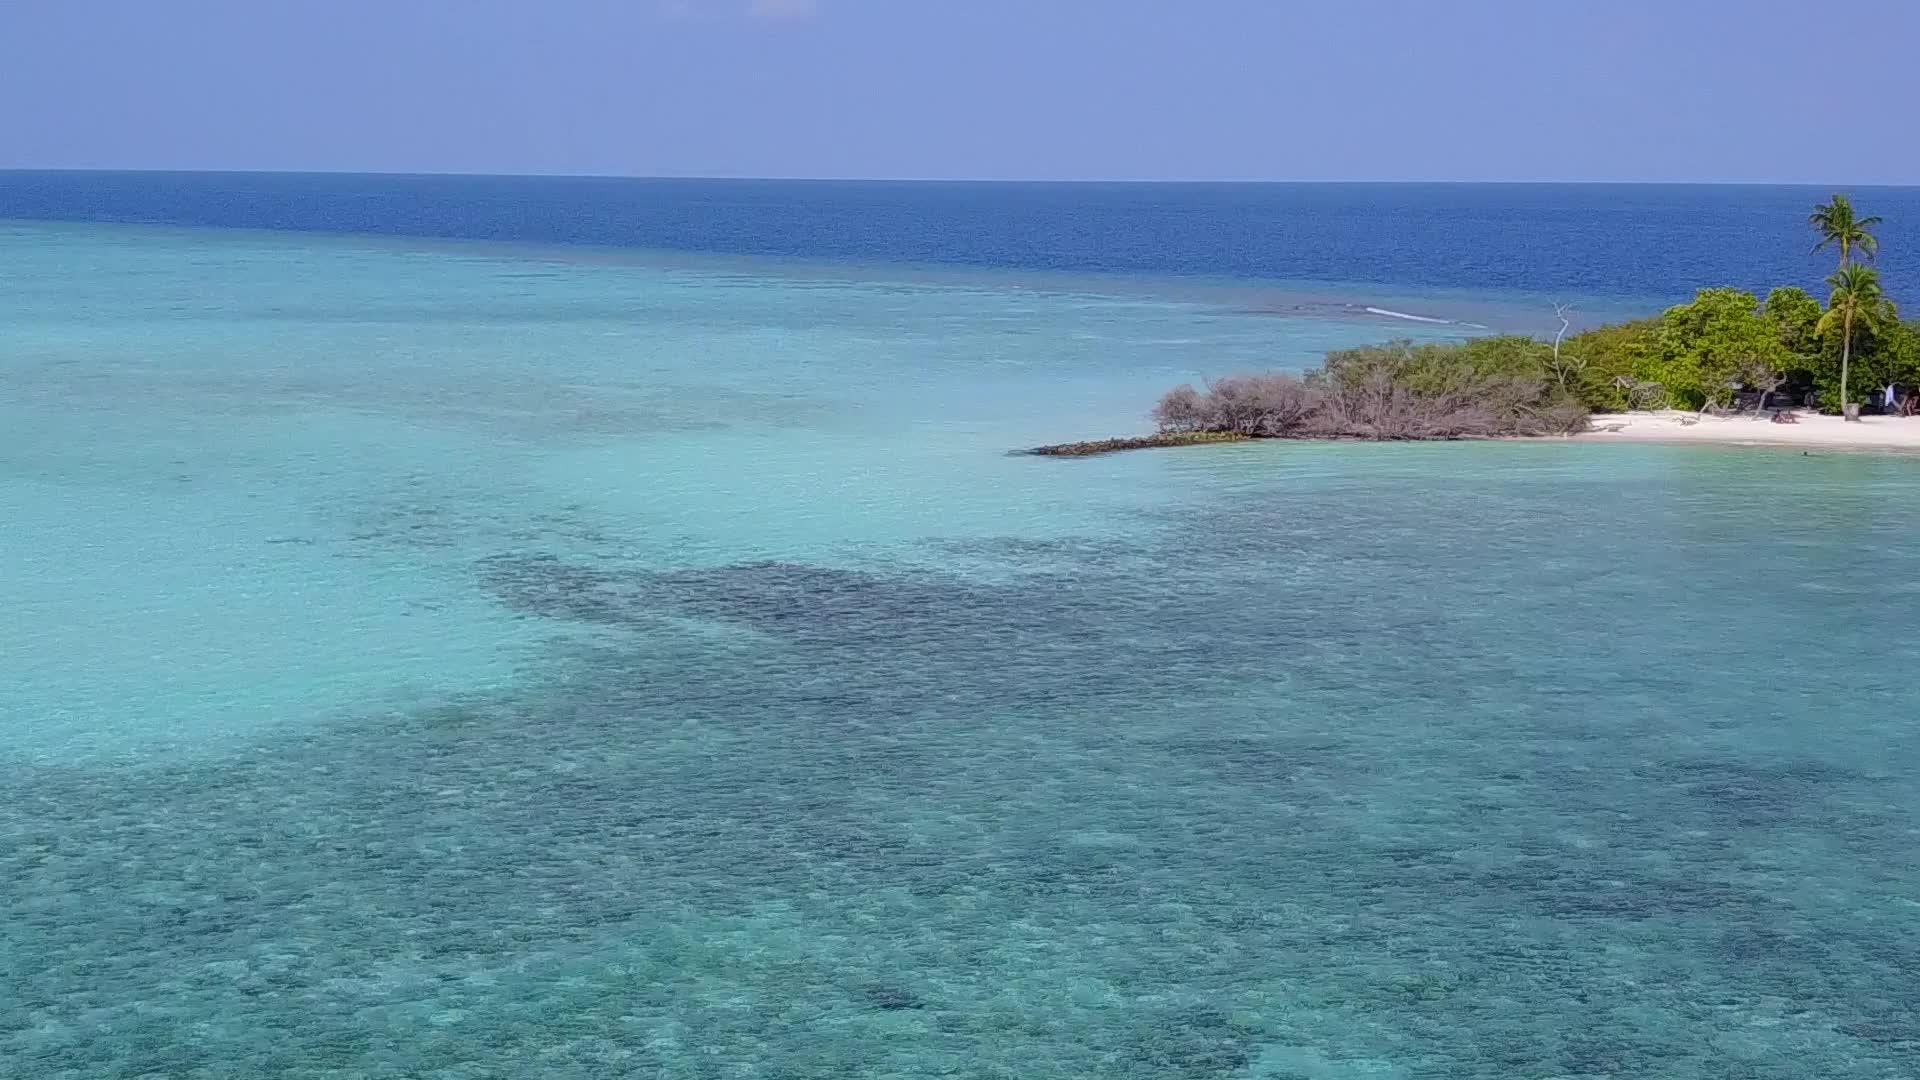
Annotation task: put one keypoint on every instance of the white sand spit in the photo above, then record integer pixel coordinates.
(1672, 426)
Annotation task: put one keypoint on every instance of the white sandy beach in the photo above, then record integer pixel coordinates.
(1892, 433)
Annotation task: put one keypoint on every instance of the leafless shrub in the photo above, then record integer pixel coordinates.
(1180, 409)
(1272, 405)
(1390, 392)
(1764, 375)
(1373, 395)
(1564, 416)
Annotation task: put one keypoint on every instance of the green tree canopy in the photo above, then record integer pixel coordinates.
(1701, 349)
(1841, 228)
(1896, 353)
(1796, 317)
(1614, 354)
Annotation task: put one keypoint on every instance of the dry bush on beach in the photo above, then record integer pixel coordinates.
(1262, 406)
(1180, 410)
(1398, 391)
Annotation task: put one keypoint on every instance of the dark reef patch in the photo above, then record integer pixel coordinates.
(995, 810)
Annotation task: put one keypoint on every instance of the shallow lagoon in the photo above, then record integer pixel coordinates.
(445, 663)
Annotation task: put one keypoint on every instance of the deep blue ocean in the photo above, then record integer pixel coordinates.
(1631, 241)
(461, 628)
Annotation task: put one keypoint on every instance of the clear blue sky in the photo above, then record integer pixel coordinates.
(1762, 90)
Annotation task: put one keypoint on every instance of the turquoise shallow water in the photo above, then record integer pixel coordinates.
(424, 663)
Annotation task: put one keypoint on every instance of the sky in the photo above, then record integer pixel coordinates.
(1596, 90)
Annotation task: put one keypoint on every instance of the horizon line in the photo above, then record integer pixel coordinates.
(746, 178)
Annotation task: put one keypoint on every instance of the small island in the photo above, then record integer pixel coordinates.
(1727, 367)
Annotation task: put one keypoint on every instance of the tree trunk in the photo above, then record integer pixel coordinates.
(1846, 355)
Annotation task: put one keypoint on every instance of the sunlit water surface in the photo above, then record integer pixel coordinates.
(433, 663)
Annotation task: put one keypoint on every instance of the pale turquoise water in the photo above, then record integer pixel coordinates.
(423, 663)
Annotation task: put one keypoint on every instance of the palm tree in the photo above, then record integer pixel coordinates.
(1835, 223)
(1857, 300)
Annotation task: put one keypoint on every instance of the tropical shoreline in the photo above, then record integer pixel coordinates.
(1870, 435)
(1669, 379)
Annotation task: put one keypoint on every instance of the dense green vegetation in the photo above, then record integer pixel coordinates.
(1699, 354)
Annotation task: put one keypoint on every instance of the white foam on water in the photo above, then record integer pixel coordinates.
(1410, 318)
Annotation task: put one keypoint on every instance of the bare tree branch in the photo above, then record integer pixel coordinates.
(1562, 367)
